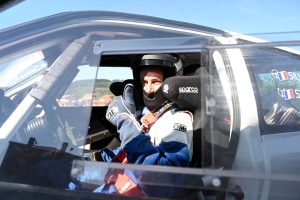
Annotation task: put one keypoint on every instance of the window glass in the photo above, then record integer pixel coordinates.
(15, 71)
(217, 132)
(43, 124)
(277, 76)
(203, 182)
(105, 77)
(81, 91)
(43, 131)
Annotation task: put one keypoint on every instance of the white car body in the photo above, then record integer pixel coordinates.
(264, 164)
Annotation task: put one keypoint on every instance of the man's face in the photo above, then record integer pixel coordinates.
(151, 79)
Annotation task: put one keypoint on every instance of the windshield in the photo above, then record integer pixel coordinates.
(16, 71)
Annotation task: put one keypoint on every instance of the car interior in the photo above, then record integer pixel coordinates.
(68, 123)
(194, 75)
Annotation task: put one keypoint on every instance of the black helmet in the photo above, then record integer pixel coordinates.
(169, 64)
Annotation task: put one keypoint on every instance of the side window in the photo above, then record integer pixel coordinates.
(18, 76)
(276, 73)
(104, 89)
(84, 91)
(80, 92)
(20, 69)
(53, 70)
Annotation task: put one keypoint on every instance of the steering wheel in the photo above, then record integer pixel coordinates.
(59, 126)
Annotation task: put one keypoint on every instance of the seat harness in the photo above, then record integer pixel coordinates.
(151, 117)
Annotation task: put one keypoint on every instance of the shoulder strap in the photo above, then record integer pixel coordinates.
(151, 117)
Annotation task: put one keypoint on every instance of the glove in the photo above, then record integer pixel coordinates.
(121, 113)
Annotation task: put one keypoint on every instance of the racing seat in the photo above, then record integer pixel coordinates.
(186, 91)
(189, 92)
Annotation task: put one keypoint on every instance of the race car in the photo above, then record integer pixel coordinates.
(58, 75)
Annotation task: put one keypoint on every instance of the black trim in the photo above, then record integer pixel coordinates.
(7, 4)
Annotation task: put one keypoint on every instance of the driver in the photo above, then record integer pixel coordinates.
(164, 135)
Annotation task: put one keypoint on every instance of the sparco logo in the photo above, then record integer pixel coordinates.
(180, 127)
(188, 90)
(112, 112)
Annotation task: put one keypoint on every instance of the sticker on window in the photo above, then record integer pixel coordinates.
(284, 75)
(289, 93)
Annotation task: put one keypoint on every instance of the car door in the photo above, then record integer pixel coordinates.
(274, 74)
(267, 115)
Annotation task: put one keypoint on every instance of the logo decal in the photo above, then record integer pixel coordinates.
(284, 75)
(112, 112)
(281, 76)
(287, 94)
(166, 88)
(180, 127)
(188, 90)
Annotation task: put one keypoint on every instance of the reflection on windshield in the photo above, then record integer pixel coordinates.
(15, 71)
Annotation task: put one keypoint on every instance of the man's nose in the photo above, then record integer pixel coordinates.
(149, 88)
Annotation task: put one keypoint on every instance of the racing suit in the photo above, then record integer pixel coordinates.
(167, 143)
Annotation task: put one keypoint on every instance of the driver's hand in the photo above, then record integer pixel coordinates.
(121, 113)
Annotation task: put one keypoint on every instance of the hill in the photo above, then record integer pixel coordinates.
(82, 87)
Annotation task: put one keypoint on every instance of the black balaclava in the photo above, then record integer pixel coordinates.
(166, 63)
(155, 99)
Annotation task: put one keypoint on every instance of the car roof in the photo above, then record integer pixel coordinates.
(70, 18)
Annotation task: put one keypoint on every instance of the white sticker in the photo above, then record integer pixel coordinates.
(166, 88)
(179, 127)
(112, 112)
(188, 90)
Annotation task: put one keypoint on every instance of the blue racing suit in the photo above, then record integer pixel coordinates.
(167, 143)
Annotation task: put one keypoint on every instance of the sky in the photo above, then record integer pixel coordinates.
(252, 17)
(272, 20)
